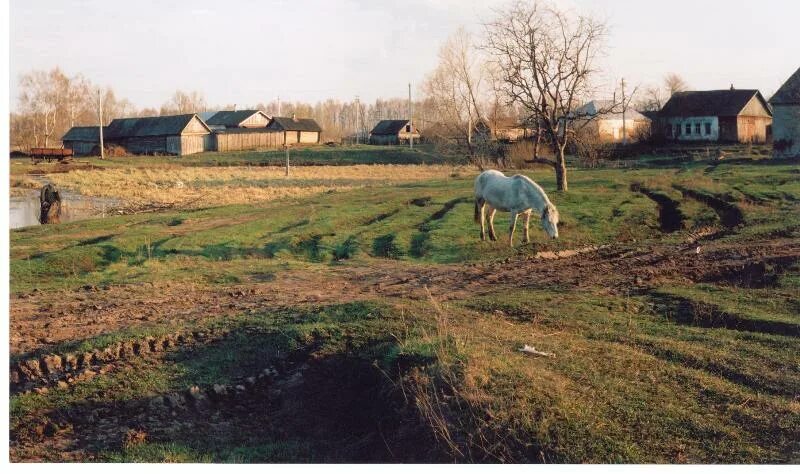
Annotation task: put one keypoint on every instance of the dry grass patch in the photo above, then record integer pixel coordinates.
(212, 186)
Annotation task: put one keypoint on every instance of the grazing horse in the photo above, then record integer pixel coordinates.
(50, 205)
(518, 195)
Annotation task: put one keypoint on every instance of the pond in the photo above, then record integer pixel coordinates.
(24, 210)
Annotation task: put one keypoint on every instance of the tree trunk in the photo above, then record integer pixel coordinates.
(561, 170)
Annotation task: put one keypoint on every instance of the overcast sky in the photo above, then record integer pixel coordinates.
(244, 52)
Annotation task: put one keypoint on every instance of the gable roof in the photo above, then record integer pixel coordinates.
(789, 93)
(594, 107)
(389, 127)
(82, 134)
(232, 118)
(294, 124)
(722, 103)
(150, 126)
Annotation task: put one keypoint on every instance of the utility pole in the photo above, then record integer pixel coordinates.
(287, 160)
(624, 106)
(100, 116)
(279, 106)
(358, 117)
(410, 120)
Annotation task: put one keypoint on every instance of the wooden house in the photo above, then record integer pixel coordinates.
(170, 135)
(295, 130)
(393, 132)
(225, 119)
(729, 115)
(82, 141)
(786, 118)
(609, 124)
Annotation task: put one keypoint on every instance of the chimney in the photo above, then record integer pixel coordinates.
(732, 88)
(294, 117)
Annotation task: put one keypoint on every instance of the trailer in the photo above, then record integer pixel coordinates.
(50, 154)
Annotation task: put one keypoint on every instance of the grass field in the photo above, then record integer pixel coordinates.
(368, 322)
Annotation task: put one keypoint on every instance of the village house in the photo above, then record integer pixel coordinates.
(393, 132)
(225, 119)
(502, 129)
(171, 134)
(729, 115)
(82, 141)
(786, 118)
(610, 124)
(295, 130)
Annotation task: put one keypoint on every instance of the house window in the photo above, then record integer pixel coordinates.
(677, 130)
(688, 129)
(708, 128)
(408, 128)
(697, 129)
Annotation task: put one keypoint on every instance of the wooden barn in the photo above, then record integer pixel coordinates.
(237, 139)
(170, 135)
(225, 119)
(786, 116)
(393, 132)
(82, 141)
(729, 115)
(295, 130)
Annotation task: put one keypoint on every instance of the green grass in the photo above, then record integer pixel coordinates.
(684, 373)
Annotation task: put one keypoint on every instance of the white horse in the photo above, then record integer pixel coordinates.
(518, 195)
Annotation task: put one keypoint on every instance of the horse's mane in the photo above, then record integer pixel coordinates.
(535, 185)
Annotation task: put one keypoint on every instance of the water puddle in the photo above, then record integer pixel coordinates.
(24, 210)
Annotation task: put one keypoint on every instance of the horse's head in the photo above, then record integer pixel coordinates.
(550, 220)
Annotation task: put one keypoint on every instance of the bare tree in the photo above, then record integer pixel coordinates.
(454, 89)
(184, 103)
(674, 83)
(547, 57)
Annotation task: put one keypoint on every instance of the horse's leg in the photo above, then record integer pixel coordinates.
(511, 228)
(482, 205)
(492, 212)
(527, 222)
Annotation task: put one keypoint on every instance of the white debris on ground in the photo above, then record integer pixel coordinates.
(532, 350)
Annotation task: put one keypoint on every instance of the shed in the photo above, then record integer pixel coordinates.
(170, 134)
(82, 140)
(728, 115)
(393, 132)
(225, 119)
(786, 118)
(236, 139)
(295, 130)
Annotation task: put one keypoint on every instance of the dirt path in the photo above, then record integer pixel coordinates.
(40, 320)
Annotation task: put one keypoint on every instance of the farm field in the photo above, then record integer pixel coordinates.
(358, 317)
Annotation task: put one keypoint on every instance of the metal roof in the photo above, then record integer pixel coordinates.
(721, 103)
(294, 124)
(82, 134)
(150, 126)
(789, 93)
(232, 118)
(389, 127)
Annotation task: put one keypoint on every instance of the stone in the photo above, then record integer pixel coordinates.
(62, 384)
(250, 381)
(41, 390)
(86, 375)
(239, 388)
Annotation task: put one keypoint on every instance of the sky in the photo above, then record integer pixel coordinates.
(245, 51)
